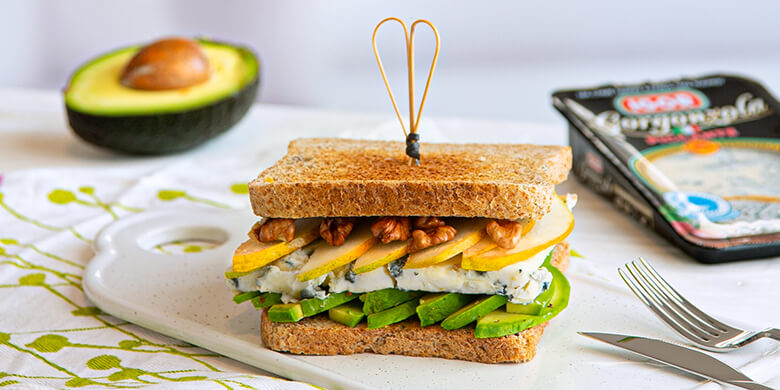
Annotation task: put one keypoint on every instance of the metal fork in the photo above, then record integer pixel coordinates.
(685, 318)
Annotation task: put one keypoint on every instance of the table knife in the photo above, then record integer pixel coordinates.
(686, 359)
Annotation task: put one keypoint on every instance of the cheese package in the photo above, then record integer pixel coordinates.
(696, 159)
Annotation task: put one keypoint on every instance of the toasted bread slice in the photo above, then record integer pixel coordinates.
(330, 177)
(319, 335)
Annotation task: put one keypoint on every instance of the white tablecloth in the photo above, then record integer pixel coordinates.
(57, 192)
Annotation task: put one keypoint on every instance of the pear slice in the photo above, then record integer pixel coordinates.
(484, 245)
(470, 232)
(528, 225)
(487, 243)
(326, 258)
(379, 255)
(253, 254)
(550, 230)
(455, 260)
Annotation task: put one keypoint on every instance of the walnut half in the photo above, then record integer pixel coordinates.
(504, 232)
(336, 230)
(426, 223)
(389, 229)
(435, 233)
(274, 229)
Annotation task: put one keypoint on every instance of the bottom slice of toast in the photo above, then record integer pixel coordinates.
(318, 335)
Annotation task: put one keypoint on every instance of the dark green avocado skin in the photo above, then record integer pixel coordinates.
(164, 133)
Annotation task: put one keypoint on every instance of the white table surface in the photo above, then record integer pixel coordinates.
(34, 133)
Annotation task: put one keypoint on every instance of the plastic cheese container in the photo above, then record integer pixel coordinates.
(697, 160)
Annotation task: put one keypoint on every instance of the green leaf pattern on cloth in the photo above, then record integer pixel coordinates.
(50, 334)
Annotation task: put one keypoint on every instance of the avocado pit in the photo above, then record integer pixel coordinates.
(171, 63)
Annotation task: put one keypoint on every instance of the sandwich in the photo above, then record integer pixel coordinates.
(356, 251)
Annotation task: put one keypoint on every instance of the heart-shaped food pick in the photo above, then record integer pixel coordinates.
(412, 137)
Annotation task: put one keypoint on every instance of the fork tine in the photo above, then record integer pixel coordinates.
(705, 329)
(689, 326)
(658, 283)
(646, 298)
(637, 290)
(685, 303)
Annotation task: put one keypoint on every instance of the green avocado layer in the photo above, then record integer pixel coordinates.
(451, 310)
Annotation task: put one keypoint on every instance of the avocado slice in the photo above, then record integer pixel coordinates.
(285, 312)
(314, 306)
(430, 297)
(384, 299)
(560, 295)
(472, 311)
(500, 323)
(266, 300)
(106, 113)
(348, 314)
(535, 307)
(436, 307)
(233, 274)
(393, 315)
(245, 296)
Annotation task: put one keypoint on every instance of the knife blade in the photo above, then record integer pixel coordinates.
(686, 359)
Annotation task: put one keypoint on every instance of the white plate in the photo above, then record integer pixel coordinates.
(185, 296)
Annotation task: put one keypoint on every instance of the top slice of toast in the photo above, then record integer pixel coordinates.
(332, 177)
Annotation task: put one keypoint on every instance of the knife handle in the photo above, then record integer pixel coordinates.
(749, 385)
(774, 334)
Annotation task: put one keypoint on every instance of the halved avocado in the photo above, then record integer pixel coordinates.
(106, 113)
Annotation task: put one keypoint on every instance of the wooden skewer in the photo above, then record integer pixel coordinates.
(409, 40)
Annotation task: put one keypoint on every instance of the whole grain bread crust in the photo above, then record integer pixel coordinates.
(330, 177)
(319, 335)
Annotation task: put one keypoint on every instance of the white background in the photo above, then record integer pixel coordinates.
(499, 59)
